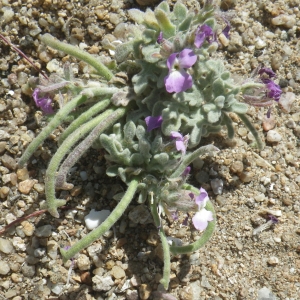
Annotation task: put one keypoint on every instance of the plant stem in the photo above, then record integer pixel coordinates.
(106, 225)
(60, 116)
(166, 248)
(252, 129)
(78, 53)
(191, 157)
(84, 117)
(108, 118)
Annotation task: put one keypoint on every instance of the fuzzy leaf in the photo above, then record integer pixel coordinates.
(168, 29)
(180, 12)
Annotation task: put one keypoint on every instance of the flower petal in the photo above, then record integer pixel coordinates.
(153, 122)
(171, 61)
(180, 146)
(44, 103)
(201, 219)
(269, 72)
(178, 81)
(176, 135)
(187, 58)
(204, 32)
(202, 198)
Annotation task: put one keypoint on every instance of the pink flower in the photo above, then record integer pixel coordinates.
(180, 141)
(44, 103)
(153, 122)
(203, 216)
(178, 80)
(204, 33)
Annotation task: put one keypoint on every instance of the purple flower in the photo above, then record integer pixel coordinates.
(180, 141)
(226, 30)
(178, 80)
(160, 38)
(204, 33)
(273, 90)
(203, 216)
(153, 122)
(42, 102)
(187, 171)
(269, 72)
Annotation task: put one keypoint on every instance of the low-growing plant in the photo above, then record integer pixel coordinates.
(160, 94)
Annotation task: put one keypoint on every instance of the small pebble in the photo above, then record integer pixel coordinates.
(22, 174)
(4, 191)
(144, 291)
(217, 186)
(28, 270)
(284, 20)
(28, 228)
(95, 218)
(26, 186)
(83, 262)
(19, 244)
(237, 167)
(101, 283)
(6, 246)
(43, 231)
(269, 123)
(16, 278)
(4, 267)
(246, 176)
(52, 247)
(273, 260)
(117, 272)
(286, 101)
(273, 136)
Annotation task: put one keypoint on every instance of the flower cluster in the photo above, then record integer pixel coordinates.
(179, 80)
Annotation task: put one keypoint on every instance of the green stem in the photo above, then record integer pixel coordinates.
(106, 225)
(228, 123)
(251, 85)
(188, 159)
(108, 118)
(167, 259)
(206, 235)
(165, 245)
(84, 117)
(252, 129)
(78, 53)
(60, 116)
(72, 139)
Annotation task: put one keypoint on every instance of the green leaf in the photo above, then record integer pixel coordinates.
(168, 29)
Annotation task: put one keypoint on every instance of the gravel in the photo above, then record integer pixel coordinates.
(244, 183)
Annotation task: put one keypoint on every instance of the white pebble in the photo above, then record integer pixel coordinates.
(284, 20)
(273, 260)
(19, 244)
(6, 246)
(95, 218)
(273, 136)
